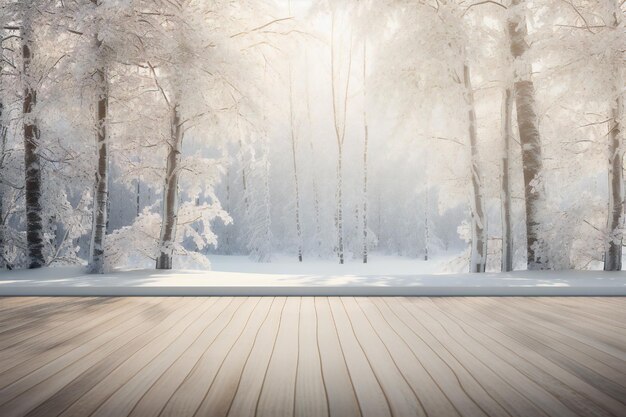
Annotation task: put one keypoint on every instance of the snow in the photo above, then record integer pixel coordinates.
(237, 276)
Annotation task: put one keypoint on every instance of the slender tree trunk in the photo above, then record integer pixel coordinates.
(32, 160)
(267, 257)
(478, 257)
(426, 225)
(244, 181)
(227, 228)
(340, 134)
(3, 141)
(170, 193)
(316, 197)
(138, 198)
(295, 167)
(530, 139)
(339, 219)
(505, 192)
(96, 264)
(365, 143)
(615, 222)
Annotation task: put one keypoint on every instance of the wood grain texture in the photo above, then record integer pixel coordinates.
(313, 356)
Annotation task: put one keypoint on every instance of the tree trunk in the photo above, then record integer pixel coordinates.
(340, 134)
(339, 219)
(32, 160)
(530, 139)
(316, 197)
(505, 192)
(295, 168)
(170, 193)
(478, 256)
(426, 225)
(3, 140)
(365, 143)
(615, 221)
(267, 257)
(96, 264)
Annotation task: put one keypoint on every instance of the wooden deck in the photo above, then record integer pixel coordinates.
(343, 357)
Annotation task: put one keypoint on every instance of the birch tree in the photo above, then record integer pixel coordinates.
(340, 111)
(529, 134)
(96, 262)
(32, 159)
(615, 222)
(505, 195)
(365, 143)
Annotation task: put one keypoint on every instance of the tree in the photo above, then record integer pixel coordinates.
(365, 140)
(505, 195)
(4, 263)
(340, 111)
(32, 159)
(478, 253)
(96, 261)
(615, 222)
(294, 142)
(170, 189)
(529, 133)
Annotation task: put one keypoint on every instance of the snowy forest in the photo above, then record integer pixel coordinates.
(157, 133)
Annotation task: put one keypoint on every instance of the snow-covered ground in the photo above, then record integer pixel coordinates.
(239, 276)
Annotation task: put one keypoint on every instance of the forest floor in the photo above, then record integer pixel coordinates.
(386, 276)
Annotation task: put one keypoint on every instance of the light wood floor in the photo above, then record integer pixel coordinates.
(222, 356)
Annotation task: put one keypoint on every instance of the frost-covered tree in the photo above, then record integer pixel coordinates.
(615, 222)
(529, 130)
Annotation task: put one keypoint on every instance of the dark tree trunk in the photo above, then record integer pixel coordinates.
(3, 138)
(478, 255)
(615, 222)
(530, 139)
(32, 160)
(505, 194)
(101, 186)
(170, 193)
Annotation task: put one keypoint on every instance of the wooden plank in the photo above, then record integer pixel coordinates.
(55, 323)
(590, 310)
(25, 311)
(369, 392)
(224, 386)
(310, 396)
(575, 393)
(39, 386)
(460, 386)
(579, 321)
(180, 390)
(401, 394)
(277, 396)
(313, 357)
(339, 389)
(41, 352)
(195, 338)
(94, 398)
(580, 331)
(249, 390)
(511, 401)
(58, 323)
(98, 370)
(512, 376)
(425, 387)
(23, 376)
(577, 358)
(580, 341)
